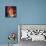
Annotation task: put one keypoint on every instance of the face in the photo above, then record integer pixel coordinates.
(10, 12)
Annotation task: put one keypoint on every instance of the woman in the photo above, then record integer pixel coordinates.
(10, 11)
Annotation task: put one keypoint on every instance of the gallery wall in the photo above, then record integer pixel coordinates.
(33, 12)
(28, 12)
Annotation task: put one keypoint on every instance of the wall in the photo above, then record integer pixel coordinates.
(28, 12)
(33, 12)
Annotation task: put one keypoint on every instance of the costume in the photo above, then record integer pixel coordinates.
(11, 15)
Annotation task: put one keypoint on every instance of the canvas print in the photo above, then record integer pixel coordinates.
(10, 11)
(33, 32)
(12, 38)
